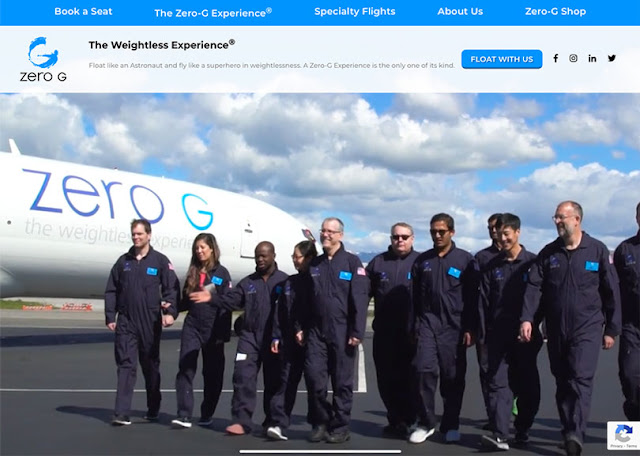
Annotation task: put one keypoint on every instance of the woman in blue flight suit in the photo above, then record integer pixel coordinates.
(205, 328)
(292, 306)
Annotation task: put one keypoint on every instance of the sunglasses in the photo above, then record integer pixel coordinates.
(397, 237)
(438, 232)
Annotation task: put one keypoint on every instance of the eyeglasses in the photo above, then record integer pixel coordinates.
(329, 232)
(492, 228)
(297, 257)
(561, 217)
(438, 232)
(397, 237)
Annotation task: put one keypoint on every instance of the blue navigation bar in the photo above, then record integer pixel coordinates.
(501, 58)
(320, 13)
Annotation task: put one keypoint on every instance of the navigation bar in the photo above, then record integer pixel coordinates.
(321, 13)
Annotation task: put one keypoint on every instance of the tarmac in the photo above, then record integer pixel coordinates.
(57, 391)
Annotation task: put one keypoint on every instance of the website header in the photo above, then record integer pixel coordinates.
(321, 13)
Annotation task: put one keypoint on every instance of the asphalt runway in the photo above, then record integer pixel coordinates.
(57, 393)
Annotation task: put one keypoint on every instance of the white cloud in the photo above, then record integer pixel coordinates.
(434, 106)
(519, 108)
(580, 127)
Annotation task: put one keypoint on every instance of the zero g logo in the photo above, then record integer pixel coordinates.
(41, 57)
(37, 54)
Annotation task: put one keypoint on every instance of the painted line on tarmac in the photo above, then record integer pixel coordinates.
(320, 451)
(362, 374)
(82, 390)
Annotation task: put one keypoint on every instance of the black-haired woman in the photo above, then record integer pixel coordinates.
(206, 328)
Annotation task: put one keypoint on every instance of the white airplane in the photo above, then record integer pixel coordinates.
(64, 225)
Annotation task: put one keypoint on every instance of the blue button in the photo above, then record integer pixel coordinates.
(501, 58)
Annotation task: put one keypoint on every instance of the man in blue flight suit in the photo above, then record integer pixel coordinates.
(627, 262)
(482, 258)
(257, 294)
(393, 349)
(336, 326)
(576, 287)
(445, 308)
(142, 292)
(512, 366)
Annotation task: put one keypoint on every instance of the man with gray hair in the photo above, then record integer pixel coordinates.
(390, 277)
(576, 288)
(336, 326)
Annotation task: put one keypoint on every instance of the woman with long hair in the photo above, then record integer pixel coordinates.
(206, 328)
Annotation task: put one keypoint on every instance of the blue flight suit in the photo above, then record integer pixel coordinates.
(393, 347)
(258, 299)
(339, 302)
(577, 291)
(512, 366)
(445, 307)
(205, 328)
(292, 308)
(134, 292)
(482, 258)
(627, 262)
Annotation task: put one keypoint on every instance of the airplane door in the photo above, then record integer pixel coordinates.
(249, 239)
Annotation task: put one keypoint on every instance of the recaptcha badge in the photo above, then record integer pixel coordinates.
(623, 435)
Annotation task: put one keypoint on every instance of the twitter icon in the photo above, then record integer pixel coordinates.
(612, 57)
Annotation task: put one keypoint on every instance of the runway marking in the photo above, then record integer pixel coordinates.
(362, 384)
(362, 375)
(320, 451)
(81, 390)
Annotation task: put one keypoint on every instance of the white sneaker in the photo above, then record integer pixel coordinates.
(452, 435)
(181, 422)
(494, 442)
(275, 433)
(421, 434)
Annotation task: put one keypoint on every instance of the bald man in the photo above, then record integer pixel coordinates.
(256, 294)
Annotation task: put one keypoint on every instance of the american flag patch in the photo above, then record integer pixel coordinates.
(361, 272)
(171, 267)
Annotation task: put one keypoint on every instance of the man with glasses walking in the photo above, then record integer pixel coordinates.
(337, 320)
(576, 287)
(445, 306)
(390, 276)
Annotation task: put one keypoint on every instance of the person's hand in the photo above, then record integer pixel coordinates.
(165, 304)
(167, 320)
(525, 332)
(468, 339)
(300, 338)
(608, 342)
(200, 296)
(112, 326)
(354, 341)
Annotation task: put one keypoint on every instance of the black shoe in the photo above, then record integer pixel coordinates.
(121, 420)
(318, 433)
(338, 437)
(151, 417)
(522, 438)
(573, 447)
(205, 421)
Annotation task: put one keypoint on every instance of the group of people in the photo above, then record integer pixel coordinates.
(428, 309)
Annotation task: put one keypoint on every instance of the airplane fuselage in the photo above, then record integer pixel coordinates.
(63, 225)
